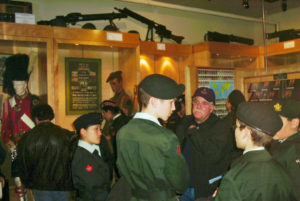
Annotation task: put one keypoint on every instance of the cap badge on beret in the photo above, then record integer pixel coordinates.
(203, 91)
(278, 107)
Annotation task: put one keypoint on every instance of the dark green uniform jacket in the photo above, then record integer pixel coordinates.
(287, 154)
(149, 157)
(255, 176)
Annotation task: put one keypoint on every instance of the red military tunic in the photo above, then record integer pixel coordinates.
(13, 110)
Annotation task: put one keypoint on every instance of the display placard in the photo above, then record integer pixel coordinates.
(83, 85)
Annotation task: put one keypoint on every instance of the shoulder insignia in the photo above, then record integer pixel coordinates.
(277, 107)
(89, 168)
(178, 151)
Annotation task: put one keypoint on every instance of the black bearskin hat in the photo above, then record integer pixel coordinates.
(15, 69)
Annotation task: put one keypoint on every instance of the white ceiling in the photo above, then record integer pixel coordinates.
(236, 7)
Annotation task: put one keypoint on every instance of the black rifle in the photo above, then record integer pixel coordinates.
(285, 35)
(218, 37)
(160, 30)
(73, 18)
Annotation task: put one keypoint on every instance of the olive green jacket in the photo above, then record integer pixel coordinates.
(150, 159)
(256, 177)
(287, 153)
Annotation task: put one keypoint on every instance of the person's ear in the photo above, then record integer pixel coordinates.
(295, 123)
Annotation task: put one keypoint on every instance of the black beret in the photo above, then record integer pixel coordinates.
(289, 108)
(162, 87)
(86, 120)
(113, 75)
(259, 116)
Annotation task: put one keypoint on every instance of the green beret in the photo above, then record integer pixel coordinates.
(289, 108)
(162, 87)
(113, 75)
(259, 116)
(86, 120)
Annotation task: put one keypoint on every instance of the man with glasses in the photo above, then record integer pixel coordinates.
(206, 142)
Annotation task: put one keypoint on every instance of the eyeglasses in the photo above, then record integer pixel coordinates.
(240, 127)
(205, 104)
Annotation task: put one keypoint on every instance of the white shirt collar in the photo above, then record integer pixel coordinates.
(143, 115)
(254, 149)
(117, 116)
(90, 148)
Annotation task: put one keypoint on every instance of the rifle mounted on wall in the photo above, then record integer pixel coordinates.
(73, 18)
(218, 37)
(160, 29)
(285, 35)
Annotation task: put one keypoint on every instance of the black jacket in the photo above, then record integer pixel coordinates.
(45, 156)
(211, 146)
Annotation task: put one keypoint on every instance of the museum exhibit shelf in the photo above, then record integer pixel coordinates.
(164, 58)
(36, 41)
(111, 50)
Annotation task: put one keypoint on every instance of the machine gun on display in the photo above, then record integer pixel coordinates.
(161, 30)
(73, 18)
(285, 35)
(218, 37)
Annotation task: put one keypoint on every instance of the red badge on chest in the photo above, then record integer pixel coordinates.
(89, 168)
(178, 150)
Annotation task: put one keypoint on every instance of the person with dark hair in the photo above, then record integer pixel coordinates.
(285, 148)
(234, 99)
(177, 114)
(111, 112)
(92, 161)
(207, 144)
(149, 155)
(16, 112)
(121, 98)
(256, 176)
(44, 157)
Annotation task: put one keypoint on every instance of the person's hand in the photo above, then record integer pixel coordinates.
(10, 144)
(215, 193)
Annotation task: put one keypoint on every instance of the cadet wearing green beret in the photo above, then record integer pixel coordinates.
(286, 147)
(149, 155)
(255, 176)
(122, 99)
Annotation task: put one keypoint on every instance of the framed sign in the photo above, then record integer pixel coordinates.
(2, 66)
(83, 85)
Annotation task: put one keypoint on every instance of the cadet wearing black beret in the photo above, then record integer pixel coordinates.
(255, 175)
(149, 155)
(286, 145)
(92, 162)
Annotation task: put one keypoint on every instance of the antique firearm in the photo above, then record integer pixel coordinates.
(160, 30)
(73, 18)
(218, 37)
(285, 35)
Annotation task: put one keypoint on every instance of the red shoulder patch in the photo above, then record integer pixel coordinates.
(178, 150)
(89, 168)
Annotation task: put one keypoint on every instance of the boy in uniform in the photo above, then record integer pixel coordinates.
(149, 155)
(255, 175)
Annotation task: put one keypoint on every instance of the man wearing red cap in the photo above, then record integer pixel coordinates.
(206, 142)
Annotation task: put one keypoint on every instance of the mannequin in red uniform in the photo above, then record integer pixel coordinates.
(16, 116)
